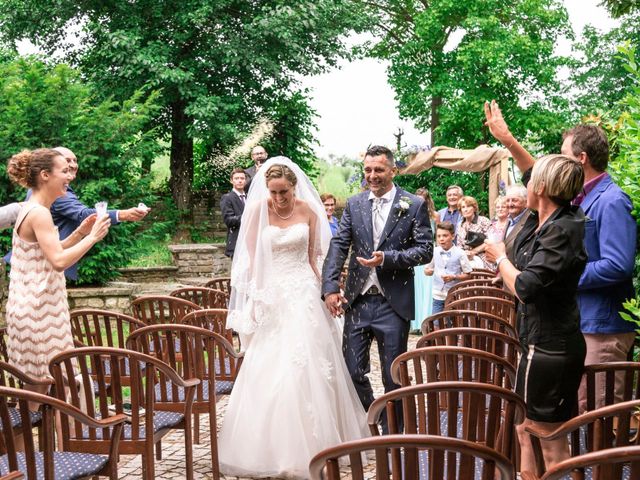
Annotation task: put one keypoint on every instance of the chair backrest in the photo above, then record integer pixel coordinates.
(482, 273)
(473, 282)
(403, 456)
(470, 411)
(154, 309)
(146, 372)
(605, 464)
(102, 328)
(214, 319)
(220, 283)
(191, 351)
(467, 318)
(442, 364)
(478, 291)
(505, 309)
(603, 428)
(500, 344)
(202, 296)
(48, 406)
(601, 377)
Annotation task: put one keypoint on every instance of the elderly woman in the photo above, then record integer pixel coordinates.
(549, 259)
(501, 221)
(329, 202)
(472, 231)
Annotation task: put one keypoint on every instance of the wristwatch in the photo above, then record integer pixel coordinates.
(500, 259)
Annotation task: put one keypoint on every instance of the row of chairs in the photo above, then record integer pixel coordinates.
(459, 411)
(171, 369)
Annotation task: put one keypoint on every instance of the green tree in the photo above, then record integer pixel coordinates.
(43, 106)
(599, 76)
(504, 51)
(617, 8)
(219, 63)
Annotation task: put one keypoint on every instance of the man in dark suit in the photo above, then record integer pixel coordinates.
(516, 198)
(232, 206)
(388, 231)
(259, 156)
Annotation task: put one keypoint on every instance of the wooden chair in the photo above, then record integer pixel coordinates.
(437, 364)
(220, 283)
(601, 463)
(601, 377)
(215, 319)
(473, 282)
(155, 309)
(505, 309)
(12, 476)
(606, 427)
(202, 296)
(481, 413)
(500, 344)
(478, 291)
(194, 353)
(11, 377)
(147, 373)
(41, 461)
(482, 273)
(102, 328)
(468, 319)
(411, 457)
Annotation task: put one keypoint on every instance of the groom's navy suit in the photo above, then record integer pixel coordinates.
(406, 241)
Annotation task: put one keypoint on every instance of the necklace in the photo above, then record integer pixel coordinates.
(275, 210)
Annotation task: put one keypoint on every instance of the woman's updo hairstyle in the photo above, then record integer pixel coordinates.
(280, 171)
(24, 168)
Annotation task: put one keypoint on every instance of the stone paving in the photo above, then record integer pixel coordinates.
(173, 460)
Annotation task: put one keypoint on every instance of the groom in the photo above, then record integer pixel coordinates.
(388, 231)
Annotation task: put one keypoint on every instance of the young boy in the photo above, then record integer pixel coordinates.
(449, 264)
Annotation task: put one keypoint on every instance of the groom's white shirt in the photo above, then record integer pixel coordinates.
(384, 210)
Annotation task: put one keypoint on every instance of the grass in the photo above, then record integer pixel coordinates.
(153, 253)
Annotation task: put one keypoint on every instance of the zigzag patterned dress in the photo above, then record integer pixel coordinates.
(38, 324)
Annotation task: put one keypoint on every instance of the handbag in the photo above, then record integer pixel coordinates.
(474, 239)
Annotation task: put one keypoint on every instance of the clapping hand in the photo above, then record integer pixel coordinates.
(494, 251)
(100, 228)
(87, 224)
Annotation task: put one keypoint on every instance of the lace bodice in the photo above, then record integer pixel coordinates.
(290, 248)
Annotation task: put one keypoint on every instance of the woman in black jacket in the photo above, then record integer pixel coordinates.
(549, 259)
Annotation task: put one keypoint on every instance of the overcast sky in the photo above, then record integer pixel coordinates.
(356, 105)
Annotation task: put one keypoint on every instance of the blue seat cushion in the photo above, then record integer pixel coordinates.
(161, 420)
(222, 388)
(67, 465)
(16, 420)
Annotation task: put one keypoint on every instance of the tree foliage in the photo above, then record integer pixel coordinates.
(599, 77)
(45, 106)
(219, 63)
(618, 8)
(504, 51)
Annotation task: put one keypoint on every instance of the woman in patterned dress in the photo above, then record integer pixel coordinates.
(37, 315)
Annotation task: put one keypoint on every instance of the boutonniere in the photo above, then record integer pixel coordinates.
(403, 205)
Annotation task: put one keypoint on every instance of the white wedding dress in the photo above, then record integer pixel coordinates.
(293, 396)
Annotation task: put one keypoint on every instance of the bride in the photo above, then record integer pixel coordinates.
(293, 396)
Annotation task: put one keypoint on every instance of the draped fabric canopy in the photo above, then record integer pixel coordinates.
(482, 158)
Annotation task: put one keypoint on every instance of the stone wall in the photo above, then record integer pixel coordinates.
(148, 274)
(200, 260)
(103, 298)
